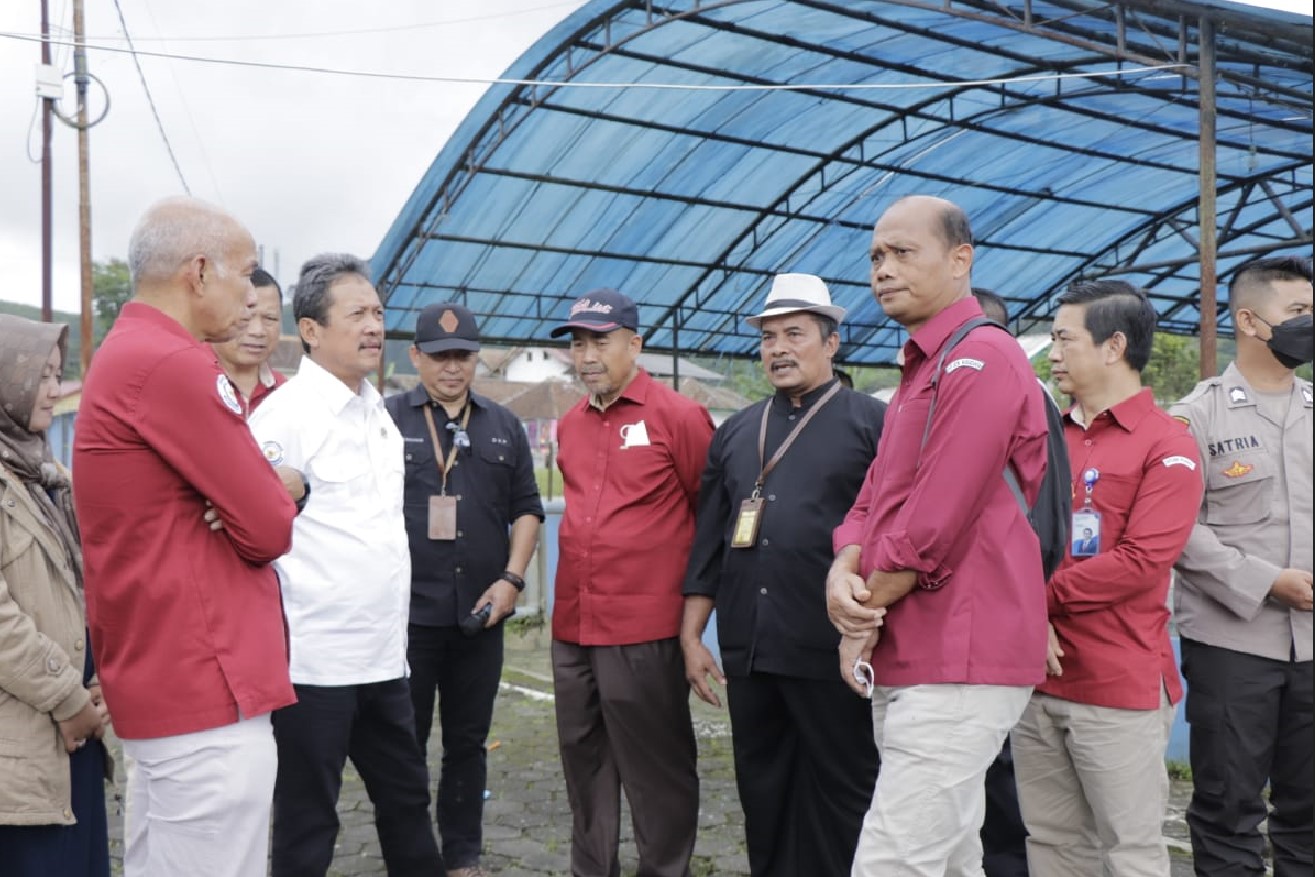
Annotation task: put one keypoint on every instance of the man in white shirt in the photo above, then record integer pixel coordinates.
(346, 587)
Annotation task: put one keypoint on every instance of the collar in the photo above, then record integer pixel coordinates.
(266, 376)
(1127, 414)
(936, 331)
(636, 391)
(418, 397)
(136, 310)
(334, 392)
(781, 401)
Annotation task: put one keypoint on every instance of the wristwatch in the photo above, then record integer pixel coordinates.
(516, 581)
(305, 495)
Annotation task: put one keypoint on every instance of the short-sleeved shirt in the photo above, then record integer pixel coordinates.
(771, 597)
(630, 476)
(347, 580)
(946, 511)
(185, 621)
(1110, 612)
(1254, 522)
(493, 481)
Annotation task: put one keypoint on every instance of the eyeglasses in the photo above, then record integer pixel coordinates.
(862, 673)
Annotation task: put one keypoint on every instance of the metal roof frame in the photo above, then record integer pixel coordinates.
(689, 201)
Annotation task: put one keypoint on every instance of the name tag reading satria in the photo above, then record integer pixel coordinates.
(746, 523)
(443, 518)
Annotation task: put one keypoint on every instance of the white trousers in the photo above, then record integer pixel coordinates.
(936, 742)
(1092, 788)
(198, 804)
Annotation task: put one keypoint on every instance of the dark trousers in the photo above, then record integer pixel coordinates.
(805, 765)
(1004, 837)
(373, 725)
(1250, 721)
(464, 671)
(623, 722)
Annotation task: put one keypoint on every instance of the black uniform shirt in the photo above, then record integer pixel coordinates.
(494, 480)
(771, 598)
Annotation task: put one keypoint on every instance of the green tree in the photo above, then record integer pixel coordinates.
(111, 287)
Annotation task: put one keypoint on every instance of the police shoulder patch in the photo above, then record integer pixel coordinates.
(1183, 420)
(228, 395)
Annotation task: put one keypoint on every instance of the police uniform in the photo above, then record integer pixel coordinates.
(1247, 658)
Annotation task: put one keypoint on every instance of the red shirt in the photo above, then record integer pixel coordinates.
(1111, 611)
(270, 381)
(978, 614)
(631, 481)
(186, 623)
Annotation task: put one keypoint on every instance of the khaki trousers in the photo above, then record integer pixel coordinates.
(935, 743)
(1093, 788)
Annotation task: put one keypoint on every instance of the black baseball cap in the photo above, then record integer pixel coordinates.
(446, 326)
(603, 310)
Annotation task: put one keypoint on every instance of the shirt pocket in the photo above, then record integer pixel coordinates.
(1239, 490)
(340, 475)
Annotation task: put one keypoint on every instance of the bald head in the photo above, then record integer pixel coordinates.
(174, 231)
(922, 257)
(948, 218)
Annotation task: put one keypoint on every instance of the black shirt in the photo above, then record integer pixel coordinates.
(771, 598)
(493, 479)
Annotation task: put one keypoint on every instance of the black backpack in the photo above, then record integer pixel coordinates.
(1052, 515)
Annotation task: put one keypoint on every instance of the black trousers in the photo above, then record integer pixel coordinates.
(623, 722)
(805, 765)
(1004, 837)
(372, 725)
(464, 672)
(1250, 721)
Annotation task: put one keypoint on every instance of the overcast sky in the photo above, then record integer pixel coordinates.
(309, 162)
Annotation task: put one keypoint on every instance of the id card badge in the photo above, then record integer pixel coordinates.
(746, 523)
(1086, 532)
(443, 518)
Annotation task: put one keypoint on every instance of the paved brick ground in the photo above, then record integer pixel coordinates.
(527, 821)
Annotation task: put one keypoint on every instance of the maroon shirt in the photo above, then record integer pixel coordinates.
(186, 623)
(978, 614)
(629, 521)
(1110, 611)
(270, 381)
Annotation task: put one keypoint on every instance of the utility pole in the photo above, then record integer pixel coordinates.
(81, 79)
(47, 295)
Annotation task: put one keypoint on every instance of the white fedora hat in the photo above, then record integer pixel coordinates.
(791, 293)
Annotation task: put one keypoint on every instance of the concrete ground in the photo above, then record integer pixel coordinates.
(527, 820)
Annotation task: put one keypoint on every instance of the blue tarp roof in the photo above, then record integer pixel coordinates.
(689, 200)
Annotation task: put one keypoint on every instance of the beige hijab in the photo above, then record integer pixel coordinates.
(25, 345)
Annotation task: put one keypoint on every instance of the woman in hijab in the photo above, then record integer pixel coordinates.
(53, 765)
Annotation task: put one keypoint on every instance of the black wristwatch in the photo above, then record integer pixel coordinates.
(516, 581)
(305, 495)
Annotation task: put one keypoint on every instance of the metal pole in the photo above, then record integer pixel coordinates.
(47, 295)
(84, 181)
(1208, 218)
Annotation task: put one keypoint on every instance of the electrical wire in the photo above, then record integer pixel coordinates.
(396, 28)
(132, 50)
(649, 86)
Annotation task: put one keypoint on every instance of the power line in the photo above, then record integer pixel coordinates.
(132, 50)
(396, 28)
(648, 86)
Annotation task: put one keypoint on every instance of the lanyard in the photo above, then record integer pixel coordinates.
(445, 466)
(789, 439)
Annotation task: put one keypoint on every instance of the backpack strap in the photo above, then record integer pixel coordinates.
(959, 334)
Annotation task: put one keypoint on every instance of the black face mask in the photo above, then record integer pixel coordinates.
(1292, 341)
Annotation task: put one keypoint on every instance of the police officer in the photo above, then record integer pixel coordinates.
(1243, 597)
(472, 517)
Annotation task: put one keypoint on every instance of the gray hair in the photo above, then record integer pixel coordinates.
(311, 297)
(174, 230)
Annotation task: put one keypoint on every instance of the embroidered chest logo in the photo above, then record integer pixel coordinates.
(228, 395)
(634, 435)
(273, 452)
(1238, 469)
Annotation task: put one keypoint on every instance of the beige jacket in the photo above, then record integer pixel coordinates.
(42, 656)
(1255, 520)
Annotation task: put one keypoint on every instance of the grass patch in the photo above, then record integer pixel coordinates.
(1178, 770)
